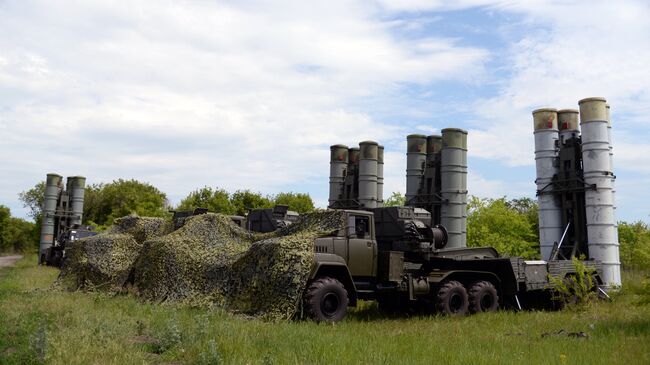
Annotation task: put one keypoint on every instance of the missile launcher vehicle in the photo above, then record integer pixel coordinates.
(390, 256)
(406, 258)
(62, 216)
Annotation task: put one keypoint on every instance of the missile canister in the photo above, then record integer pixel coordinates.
(76, 189)
(611, 164)
(368, 155)
(546, 153)
(338, 167)
(53, 186)
(453, 189)
(568, 124)
(599, 205)
(351, 192)
(380, 176)
(416, 157)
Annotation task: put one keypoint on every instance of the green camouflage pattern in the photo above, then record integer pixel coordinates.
(208, 262)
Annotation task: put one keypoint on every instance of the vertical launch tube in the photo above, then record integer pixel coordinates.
(432, 176)
(52, 189)
(76, 189)
(380, 176)
(568, 123)
(601, 223)
(338, 167)
(352, 178)
(368, 152)
(416, 157)
(453, 189)
(546, 153)
(611, 166)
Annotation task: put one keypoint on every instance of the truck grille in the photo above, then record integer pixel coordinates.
(322, 249)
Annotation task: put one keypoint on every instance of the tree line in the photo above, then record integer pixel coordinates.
(103, 202)
(509, 225)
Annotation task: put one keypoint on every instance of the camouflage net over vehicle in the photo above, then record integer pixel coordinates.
(106, 260)
(208, 261)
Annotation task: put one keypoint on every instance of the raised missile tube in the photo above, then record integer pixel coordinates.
(453, 189)
(601, 223)
(568, 123)
(546, 152)
(432, 176)
(416, 158)
(380, 176)
(338, 167)
(76, 189)
(368, 153)
(52, 190)
(611, 163)
(351, 192)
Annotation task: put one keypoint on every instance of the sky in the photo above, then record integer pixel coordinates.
(251, 94)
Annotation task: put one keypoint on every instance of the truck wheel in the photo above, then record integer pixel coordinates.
(326, 300)
(483, 297)
(452, 299)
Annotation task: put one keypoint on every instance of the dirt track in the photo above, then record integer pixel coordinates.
(6, 261)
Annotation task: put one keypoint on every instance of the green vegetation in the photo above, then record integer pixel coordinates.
(395, 199)
(39, 325)
(579, 290)
(105, 202)
(220, 201)
(635, 245)
(16, 234)
(298, 202)
(217, 200)
(508, 226)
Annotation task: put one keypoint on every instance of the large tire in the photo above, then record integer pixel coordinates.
(483, 297)
(452, 299)
(326, 300)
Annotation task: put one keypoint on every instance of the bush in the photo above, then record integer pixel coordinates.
(16, 234)
(634, 239)
(577, 290)
(507, 226)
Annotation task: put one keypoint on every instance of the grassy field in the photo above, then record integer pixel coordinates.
(40, 325)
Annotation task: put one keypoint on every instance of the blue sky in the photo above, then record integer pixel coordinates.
(250, 94)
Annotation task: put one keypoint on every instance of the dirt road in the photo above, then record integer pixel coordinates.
(6, 261)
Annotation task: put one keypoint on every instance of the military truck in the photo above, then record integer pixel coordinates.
(390, 256)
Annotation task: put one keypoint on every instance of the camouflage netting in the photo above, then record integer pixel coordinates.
(106, 260)
(207, 261)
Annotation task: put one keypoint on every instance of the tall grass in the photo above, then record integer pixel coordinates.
(39, 325)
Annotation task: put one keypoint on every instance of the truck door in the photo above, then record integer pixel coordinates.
(361, 246)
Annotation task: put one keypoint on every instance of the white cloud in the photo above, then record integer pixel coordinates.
(238, 95)
(570, 50)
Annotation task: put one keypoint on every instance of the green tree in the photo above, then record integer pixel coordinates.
(634, 240)
(216, 200)
(33, 199)
(243, 200)
(496, 223)
(16, 234)
(298, 202)
(528, 207)
(105, 202)
(395, 199)
(5, 215)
